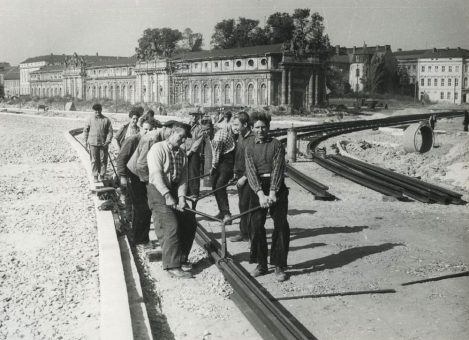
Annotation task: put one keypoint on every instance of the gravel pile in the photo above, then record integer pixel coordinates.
(48, 241)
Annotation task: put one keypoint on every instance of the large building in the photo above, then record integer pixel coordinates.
(249, 76)
(443, 75)
(11, 82)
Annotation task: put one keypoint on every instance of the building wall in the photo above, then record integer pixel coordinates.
(442, 80)
(12, 87)
(25, 71)
(356, 76)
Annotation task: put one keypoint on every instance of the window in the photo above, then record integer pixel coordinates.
(251, 62)
(456, 82)
(206, 65)
(429, 82)
(227, 94)
(251, 94)
(429, 68)
(442, 95)
(423, 68)
(264, 62)
(442, 69)
(414, 67)
(238, 95)
(450, 68)
(466, 67)
(216, 64)
(227, 63)
(465, 82)
(238, 63)
(457, 69)
(422, 82)
(455, 96)
(449, 82)
(448, 95)
(196, 65)
(435, 82)
(436, 68)
(442, 82)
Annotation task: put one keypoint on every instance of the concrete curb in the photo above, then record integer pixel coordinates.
(118, 276)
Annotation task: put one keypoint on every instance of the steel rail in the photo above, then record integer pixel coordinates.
(319, 190)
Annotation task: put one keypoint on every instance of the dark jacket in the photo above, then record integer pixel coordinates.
(128, 148)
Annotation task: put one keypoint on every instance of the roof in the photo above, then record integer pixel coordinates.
(260, 50)
(110, 61)
(367, 49)
(12, 74)
(50, 68)
(89, 59)
(410, 54)
(446, 53)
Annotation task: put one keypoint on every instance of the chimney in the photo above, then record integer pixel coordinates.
(97, 54)
(337, 49)
(435, 50)
(399, 50)
(354, 49)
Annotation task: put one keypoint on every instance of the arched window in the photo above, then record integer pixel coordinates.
(196, 94)
(111, 92)
(118, 92)
(216, 94)
(206, 94)
(238, 100)
(124, 93)
(263, 98)
(186, 93)
(160, 95)
(131, 93)
(104, 94)
(227, 94)
(465, 82)
(251, 94)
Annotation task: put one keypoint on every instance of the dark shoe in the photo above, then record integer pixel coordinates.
(187, 266)
(280, 274)
(95, 178)
(179, 273)
(227, 220)
(238, 238)
(259, 271)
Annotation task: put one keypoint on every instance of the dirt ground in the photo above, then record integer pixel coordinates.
(49, 285)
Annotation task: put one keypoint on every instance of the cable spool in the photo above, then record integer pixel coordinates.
(418, 138)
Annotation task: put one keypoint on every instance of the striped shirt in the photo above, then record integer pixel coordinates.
(265, 158)
(222, 143)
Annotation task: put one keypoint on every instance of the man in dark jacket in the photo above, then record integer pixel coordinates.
(136, 188)
(97, 136)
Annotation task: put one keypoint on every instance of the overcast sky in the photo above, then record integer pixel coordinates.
(112, 27)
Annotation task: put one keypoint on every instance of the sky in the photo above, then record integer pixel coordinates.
(112, 27)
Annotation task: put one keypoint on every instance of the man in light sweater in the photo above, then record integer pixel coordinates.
(167, 188)
(97, 136)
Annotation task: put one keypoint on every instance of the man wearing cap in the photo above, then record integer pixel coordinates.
(223, 146)
(167, 188)
(97, 136)
(194, 146)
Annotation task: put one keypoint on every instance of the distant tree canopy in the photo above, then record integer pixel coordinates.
(381, 74)
(300, 29)
(163, 42)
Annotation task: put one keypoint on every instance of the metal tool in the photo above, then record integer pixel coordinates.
(198, 177)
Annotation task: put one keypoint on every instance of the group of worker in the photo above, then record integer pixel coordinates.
(159, 166)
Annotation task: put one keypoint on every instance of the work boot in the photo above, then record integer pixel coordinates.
(280, 274)
(239, 238)
(179, 273)
(260, 270)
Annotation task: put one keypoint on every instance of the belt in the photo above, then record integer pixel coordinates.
(265, 176)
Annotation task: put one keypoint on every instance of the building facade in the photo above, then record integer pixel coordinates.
(443, 75)
(250, 76)
(11, 82)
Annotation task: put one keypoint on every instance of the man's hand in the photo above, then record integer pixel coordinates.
(241, 181)
(272, 198)
(213, 171)
(170, 200)
(263, 202)
(181, 204)
(188, 153)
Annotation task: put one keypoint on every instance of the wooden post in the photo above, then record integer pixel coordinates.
(291, 145)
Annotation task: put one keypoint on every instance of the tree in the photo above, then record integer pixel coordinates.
(375, 74)
(241, 33)
(157, 42)
(279, 27)
(190, 41)
(224, 34)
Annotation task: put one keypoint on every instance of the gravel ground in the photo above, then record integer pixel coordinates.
(48, 240)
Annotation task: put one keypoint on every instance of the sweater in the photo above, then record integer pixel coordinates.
(98, 131)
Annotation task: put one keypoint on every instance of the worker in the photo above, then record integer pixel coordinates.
(97, 137)
(241, 127)
(129, 129)
(167, 188)
(223, 146)
(265, 167)
(131, 184)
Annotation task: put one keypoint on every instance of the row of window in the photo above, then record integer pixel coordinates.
(227, 63)
(448, 95)
(442, 82)
(443, 68)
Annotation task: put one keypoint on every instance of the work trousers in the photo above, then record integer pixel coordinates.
(244, 196)
(193, 168)
(99, 156)
(141, 217)
(281, 233)
(175, 229)
(221, 177)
